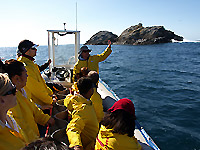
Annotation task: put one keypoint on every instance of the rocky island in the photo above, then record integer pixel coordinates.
(135, 35)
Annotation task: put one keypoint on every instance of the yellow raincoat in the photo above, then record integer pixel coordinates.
(92, 63)
(27, 115)
(97, 103)
(36, 84)
(107, 140)
(11, 139)
(83, 128)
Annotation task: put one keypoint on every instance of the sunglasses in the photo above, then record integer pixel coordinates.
(86, 51)
(13, 91)
(33, 48)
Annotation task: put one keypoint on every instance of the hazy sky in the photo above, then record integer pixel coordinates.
(29, 19)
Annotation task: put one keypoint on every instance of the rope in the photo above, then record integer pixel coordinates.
(46, 134)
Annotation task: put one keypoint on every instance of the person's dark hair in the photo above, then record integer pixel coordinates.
(84, 84)
(46, 143)
(83, 73)
(120, 121)
(13, 67)
(94, 76)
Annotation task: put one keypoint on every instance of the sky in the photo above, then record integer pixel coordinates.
(29, 19)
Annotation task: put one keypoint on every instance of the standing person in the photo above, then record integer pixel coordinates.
(11, 136)
(42, 67)
(41, 93)
(83, 127)
(91, 62)
(26, 113)
(117, 129)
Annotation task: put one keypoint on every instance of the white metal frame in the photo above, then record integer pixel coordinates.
(51, 43)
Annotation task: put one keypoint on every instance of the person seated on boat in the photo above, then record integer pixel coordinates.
(83, 73)
(83, 127)
(96, 97)
(90, 61)
(26, 113)
(41, 93)
(117, 129)
(11, 135)
(46, 143)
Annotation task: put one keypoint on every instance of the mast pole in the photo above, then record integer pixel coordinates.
(76, 16)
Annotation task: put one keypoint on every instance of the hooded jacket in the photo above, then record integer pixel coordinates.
(83, 128)
(27, 114)
(92, 63)
(97, 103)
(107, 140)
(11, 139)
(36, 84)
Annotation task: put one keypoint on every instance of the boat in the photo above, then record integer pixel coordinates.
(61, 72)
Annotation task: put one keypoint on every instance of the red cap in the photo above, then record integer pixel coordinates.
(124, 104)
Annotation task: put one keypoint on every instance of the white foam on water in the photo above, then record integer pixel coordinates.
(184, 40)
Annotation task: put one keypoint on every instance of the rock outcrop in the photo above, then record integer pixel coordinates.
(135, 35)
(101, 38)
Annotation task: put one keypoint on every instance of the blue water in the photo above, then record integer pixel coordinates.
(162, 80)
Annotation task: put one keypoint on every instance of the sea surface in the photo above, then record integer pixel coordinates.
(162, 80)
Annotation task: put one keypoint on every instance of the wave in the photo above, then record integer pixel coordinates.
(178, 128)
(185, 41)
(176, 71)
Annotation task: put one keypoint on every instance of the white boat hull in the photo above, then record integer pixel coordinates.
(109, 98)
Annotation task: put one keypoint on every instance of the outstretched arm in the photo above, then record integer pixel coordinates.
(106, 53)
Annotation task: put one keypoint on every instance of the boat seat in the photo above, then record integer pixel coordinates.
(108, 102)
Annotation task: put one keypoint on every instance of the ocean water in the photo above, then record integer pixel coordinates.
(162, 80)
